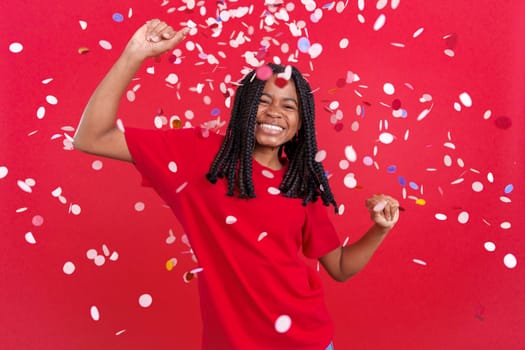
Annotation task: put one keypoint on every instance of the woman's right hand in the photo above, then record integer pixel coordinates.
(154, 38)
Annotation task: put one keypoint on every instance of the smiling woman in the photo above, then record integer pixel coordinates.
(268, 152)
(278, 120)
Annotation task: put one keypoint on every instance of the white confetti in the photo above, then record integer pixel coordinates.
(350, 181)
(97, 165)
(41, 112)
(16, 47)
(510, 261)
(386, 138)
(380, 22)
(172, 166)
(24, 186)
(419, 262)
(99, 260)
(52, 100)
(350, 153)
(273, 190)
(3, 172)
(139, 206)
(505, 225)
(463, 217)
(145, 300)
(231, 219)
(68, 268)
(261, 236)
(320, 156)
(441, 217)
(389, 89)
(30, 238)
(172, 78)
(490, 246)
(106, 45)
(283, 323)
(477, 186)
(95, 314)
(181, 187)
(379, 206)
(465, 98)
(75, 209)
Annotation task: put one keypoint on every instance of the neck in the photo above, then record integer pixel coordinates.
(268, 158)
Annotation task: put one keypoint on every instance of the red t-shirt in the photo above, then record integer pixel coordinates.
(256, 291)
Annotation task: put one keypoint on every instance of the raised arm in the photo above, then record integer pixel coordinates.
(344, 262)
(97, 132)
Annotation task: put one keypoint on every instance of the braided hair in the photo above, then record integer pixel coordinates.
(305, 178)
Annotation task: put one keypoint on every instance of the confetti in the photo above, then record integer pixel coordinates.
(510, 261)
(145, 300)
(118, 17)
(320, 156)
(37, 220)
(68, 268)
(283, 324)
(463, 217)
(350, 153)
(490, 246)
(262, 235)
(419, 262)
(264, 72)
(95, 314)
(97, 165)
(30, 238)
(350, 181)
(508, 189)
(231, 220)
(273, 190)
(172, 166)
(267, 173)
(3, 171)
(16, 47)
(379, 206)
(171, 263)
(380, 22)
(106, 45)
(441, 216)
(389, 88)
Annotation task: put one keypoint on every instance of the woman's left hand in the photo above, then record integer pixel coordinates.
(384, 210)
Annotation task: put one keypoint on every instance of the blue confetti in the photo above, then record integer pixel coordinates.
(509, 188)
(413, 185)
(391, 169)
(118, 17)
(215, 112)
(303, 44)
(402, 180)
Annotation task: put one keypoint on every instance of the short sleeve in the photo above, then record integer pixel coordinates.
(159, 155)
(319, 234)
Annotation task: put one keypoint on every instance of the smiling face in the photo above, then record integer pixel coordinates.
(278, 117)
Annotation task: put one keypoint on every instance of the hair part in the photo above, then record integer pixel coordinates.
(305, 177)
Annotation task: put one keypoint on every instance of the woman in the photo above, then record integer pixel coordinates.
(247, 200)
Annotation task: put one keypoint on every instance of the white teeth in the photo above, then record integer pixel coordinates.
(271, 127)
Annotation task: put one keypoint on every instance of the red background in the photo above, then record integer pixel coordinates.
(434, 283)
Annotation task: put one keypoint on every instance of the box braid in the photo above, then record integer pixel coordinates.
(305, 178)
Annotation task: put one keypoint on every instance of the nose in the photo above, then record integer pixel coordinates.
(273, 111)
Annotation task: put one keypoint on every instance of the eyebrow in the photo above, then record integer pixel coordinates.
(286, 98)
